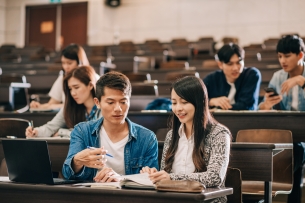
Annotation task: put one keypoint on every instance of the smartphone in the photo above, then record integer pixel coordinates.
(270, 89)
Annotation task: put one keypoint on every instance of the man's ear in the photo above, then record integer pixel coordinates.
(97, 103)
(301, 55)
(219, 63)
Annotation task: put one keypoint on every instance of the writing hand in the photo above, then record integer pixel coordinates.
(31, 132)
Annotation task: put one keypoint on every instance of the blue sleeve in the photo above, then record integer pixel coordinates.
(77, 144)
(249, 92)
(151, 155)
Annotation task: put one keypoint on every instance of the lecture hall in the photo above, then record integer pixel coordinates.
(203, 99)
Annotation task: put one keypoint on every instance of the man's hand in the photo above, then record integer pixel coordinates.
(270, 101)
(106, 175)
(291, 82)
(222, 102)
(92, 158)
(148, 170)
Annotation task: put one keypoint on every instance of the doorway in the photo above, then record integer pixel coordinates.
(56, 26)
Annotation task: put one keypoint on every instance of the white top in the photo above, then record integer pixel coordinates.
(232, 93)
(116, 162)
(183, 162)
(295, 98)
(57, 91)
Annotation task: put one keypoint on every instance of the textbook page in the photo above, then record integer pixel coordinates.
(139, 181)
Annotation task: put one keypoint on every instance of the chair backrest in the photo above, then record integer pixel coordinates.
(227, 40)
(172, 76)
(20, 95)
(173, 65)
(12, 78)
(233, 180)
(13, 127)
(283, 161)
(161, 134)
(3, 168)
(144, 89)
(209, 63)
(138, 77)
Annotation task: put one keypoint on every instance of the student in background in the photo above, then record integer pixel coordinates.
(197, 147)
(234, 87)
(289, 83)
(71, 57)
(132, 146)
(79, 89)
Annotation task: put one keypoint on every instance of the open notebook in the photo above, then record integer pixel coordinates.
(140, 181)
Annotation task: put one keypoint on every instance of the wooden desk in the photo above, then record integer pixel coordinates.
(234, 120)
(255, 160)
(160, 74)
(13, 192)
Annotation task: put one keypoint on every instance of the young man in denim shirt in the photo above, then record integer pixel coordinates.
(234, 87)
(129, 146)
(289, 83)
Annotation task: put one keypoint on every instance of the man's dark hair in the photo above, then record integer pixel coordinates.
(113, 80)
(290, 44)
(227, 51)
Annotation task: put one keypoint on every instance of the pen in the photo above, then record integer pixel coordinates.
(32, 124)
(88, 147)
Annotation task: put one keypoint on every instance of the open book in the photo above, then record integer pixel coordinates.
(140, 181)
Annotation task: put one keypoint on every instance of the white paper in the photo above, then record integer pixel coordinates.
(4, 179)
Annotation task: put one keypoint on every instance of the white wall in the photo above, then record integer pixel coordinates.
(251, 21)
(2, 21)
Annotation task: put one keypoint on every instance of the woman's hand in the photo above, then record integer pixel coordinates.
(34, 104)
(31, 132)
(157, 176)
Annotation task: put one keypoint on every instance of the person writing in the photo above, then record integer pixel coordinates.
(71, 57)
(132, 146)
(234, 87)
(197, 147)
(289, 84)
(79, 89)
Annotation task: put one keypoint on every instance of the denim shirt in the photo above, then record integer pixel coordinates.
(276, 82)
(140, 150)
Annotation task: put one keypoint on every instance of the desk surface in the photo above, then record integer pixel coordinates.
(235, 121)
(13, 192)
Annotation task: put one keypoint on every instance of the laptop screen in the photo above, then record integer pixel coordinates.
(28, 161)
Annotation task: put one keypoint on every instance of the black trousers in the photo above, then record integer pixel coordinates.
(298, 157)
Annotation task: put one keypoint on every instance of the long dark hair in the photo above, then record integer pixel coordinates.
(75, 113)
(193, 90)
(77, 53)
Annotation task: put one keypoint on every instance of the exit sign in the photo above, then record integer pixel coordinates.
(55, 1)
